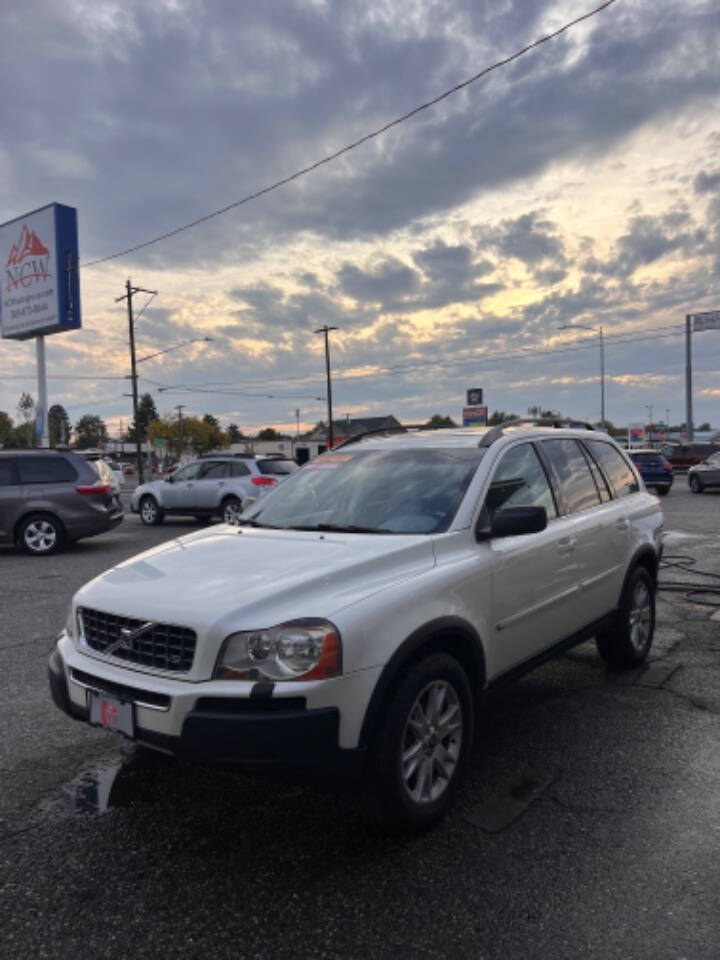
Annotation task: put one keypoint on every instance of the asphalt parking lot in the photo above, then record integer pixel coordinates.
(589, 826)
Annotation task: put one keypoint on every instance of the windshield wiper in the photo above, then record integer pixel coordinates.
(339, 528)
(256, 523)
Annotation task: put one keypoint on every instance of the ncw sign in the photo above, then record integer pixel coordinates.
(40, 290)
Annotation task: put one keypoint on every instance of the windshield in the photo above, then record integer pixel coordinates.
(373, 491)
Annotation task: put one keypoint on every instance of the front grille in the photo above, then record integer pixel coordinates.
(164, 646)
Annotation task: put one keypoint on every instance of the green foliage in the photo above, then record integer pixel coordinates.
(59, 426)
(439, 421)
(211, 421)
(704, 426)
(90, 431)
(500, 416)
(234, 433)
(6, 427)
(268, 433)
(147, 414)
(197, 435)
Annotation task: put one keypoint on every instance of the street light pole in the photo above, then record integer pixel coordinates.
(325, 330)
(179, 409)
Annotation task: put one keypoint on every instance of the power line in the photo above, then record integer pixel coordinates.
(523, 354)
(356, 143)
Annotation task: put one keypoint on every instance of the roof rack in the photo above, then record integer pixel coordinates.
(558, 423)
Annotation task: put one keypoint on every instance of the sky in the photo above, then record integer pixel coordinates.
(577, 186)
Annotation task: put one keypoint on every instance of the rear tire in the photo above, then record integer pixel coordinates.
(150, 512)
(230, 509)
(695, 484)
(420, 751)
(40, 534)
(628, 641)
(662, 491)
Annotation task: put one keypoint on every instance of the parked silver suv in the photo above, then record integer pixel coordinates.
(48, 497)
(211, 486)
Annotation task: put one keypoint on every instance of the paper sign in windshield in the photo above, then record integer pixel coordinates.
(331, 462)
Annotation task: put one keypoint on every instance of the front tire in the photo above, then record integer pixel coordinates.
(40, 535)
(420, 751)
(662, 491)
(695, 484)
(150, 512)
(628, 641)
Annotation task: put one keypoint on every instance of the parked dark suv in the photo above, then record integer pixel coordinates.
(51, 497)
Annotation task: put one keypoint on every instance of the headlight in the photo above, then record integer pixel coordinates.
(299, 650)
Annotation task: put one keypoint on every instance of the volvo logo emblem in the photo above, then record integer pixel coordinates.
(127, 637)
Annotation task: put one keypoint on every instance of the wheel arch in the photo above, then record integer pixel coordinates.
(646, 557)
(447, 634)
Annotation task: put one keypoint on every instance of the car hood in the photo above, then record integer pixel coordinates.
(244, 578)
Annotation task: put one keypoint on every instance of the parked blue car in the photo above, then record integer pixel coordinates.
(654, 468)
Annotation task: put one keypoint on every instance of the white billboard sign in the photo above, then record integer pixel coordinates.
(40, 290)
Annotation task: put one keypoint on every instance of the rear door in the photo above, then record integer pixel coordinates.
(712, 474)
(48, 483)
(179, 494)
(10, 497)
(594, 523)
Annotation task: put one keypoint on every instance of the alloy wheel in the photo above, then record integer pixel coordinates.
(148, 511)
(431, 742)
(40, 536)
(232, 511)
(640, 617)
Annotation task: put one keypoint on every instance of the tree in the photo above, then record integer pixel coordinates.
(268, 433)
(6, 426)
(59, 426)
(500, 416)
(146, 414)
(199, 436)
(438, 421)
(234, 433)
(211, 421)
(24, 433)
(90, 431)
(705, 426)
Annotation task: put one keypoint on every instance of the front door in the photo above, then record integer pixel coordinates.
(535, 577)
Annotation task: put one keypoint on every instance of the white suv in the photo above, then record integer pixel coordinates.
(359, 611)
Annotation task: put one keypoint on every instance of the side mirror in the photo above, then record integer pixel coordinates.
(247, 502)
(513, 522)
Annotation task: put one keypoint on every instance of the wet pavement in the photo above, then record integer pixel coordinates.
(589, 825)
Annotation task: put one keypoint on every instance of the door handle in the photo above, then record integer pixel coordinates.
(623, 524)
(222, 483)
(567, 545)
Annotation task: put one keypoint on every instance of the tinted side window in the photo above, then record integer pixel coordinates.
(621, 477)
(519, 481)
(190, 472)
(573, 474)
(214, 471)
(277, 467)
(240, 470)
(7, 473)
(46, 470)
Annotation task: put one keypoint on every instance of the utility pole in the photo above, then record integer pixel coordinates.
(688, 379)
(179, 409)
(602, 379)
(326, 330)
(649, 408)
(130, 292)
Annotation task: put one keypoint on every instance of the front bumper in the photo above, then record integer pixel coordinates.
(256, 729)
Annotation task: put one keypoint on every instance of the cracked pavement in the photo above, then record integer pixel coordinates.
(589, 824)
